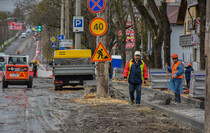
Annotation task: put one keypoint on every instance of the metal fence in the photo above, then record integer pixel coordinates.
(118, 73)
(159, 78)
(197, 84)
(91, 86)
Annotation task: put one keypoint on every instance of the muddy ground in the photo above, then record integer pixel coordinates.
(43, 110)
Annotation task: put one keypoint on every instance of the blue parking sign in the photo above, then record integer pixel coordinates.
(78, 24)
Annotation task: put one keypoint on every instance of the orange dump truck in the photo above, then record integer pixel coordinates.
(17, 71)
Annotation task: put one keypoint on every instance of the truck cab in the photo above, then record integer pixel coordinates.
(17, 71)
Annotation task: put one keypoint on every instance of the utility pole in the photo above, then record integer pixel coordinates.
(207, 55)
(62, 18)
(78, 35)
(102, 67)
(67, 19)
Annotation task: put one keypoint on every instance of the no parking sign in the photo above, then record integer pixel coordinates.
(96, 6)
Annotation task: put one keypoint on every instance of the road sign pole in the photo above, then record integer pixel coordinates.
(62, 18)
(67, 19)
(78, 35)
(97, 37)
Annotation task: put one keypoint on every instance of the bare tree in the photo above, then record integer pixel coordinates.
(202, 8)
(122, 16)
(137, 36)
(156, 29)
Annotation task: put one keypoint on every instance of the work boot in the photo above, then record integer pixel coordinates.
(132, 103)
(138, 105)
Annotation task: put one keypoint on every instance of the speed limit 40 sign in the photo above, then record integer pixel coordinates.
(98, 26)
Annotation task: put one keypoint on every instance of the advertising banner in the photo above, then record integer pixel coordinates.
(15, 26)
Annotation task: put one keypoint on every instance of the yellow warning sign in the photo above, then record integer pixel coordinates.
(101, 54)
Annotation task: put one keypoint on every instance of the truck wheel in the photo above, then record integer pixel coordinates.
(30, 82)
(4, 83)
(56, 88)
(60, 88)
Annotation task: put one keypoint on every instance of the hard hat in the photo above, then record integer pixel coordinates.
(18, 52)
(189, 64)
(137, 53)
(175, 55)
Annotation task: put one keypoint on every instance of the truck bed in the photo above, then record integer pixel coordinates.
(67, 70)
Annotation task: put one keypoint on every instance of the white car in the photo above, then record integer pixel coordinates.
(23, 35)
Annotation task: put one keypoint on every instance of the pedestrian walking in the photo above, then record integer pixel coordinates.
(135, 72)
(176, 81)
(188, 71)
(35, 68)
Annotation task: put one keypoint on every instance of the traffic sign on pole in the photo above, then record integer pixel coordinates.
(53, 39)
(53, 45)
(101, 54)
(98, 26)
(61, 37)
(78, 24)
(96, 6)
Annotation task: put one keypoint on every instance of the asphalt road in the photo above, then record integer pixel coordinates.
(26, 46)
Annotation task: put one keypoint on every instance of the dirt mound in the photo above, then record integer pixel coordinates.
(91, 99)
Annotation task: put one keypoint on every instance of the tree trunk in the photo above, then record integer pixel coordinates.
(102, 67)
(122, 19)
(157, 46)
(134, 27)
(202, 8)
(207, 54)
(167, 33)
(144, 38)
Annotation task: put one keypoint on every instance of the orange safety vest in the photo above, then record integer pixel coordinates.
(174, 70)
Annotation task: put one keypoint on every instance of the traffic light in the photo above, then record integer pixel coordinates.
(39, 28)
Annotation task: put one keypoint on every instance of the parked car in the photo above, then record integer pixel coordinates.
(23, 35)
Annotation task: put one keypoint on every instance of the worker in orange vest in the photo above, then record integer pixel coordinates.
(176, 82)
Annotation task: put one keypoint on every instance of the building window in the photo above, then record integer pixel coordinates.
(195, 54)
(183, 57)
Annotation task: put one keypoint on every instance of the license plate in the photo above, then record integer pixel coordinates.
(15, 75)
(73, 81)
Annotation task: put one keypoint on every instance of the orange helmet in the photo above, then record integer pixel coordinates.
(189, 64)
(175, 55)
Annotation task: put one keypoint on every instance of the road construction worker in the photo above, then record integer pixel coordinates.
(35, 68)
(188, 71)
(176, 81)
(135, 72)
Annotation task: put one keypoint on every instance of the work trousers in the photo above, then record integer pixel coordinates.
(177, 98)
(132, 89)
(188, 83)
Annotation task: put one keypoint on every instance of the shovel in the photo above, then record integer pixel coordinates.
(168, 99)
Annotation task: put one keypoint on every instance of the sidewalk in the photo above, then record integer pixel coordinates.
(189, 111)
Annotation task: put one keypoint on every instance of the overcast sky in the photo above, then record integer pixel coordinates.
(7, 5)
